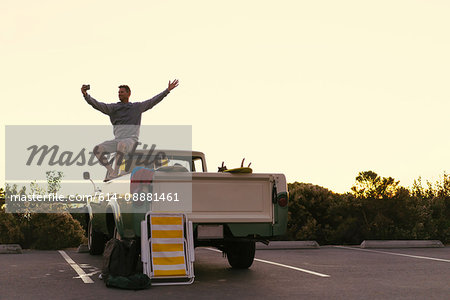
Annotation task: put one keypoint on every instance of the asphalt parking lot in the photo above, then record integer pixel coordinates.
(330, 272)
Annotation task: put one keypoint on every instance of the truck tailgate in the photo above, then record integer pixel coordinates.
(235, 198)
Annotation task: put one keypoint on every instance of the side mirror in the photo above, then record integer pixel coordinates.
(86, 175)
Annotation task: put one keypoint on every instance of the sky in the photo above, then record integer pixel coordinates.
(317, 90)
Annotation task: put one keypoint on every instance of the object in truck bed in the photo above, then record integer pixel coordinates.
(242, 169)
(239, 170)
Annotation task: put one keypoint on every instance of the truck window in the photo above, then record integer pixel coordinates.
(198, 165)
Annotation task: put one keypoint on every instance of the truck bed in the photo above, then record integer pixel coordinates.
(222, 197)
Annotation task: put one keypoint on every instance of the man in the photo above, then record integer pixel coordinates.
(125, 117)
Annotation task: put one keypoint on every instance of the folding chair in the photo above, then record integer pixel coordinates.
(167, 248)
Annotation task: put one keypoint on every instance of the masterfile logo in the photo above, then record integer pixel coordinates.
(49, 168)
(31, 151)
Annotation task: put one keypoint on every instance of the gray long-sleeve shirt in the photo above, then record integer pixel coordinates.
(126, 117)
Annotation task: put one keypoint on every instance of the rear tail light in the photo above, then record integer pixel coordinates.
(282, 199)
(140, 185)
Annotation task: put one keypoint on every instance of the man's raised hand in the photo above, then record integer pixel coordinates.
(84, 88)
(172, 85)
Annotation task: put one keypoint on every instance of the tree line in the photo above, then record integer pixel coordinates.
(377, 208)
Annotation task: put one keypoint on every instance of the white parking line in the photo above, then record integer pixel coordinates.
(282, 265)
(399, 254)
(77, 268)
(291, 267)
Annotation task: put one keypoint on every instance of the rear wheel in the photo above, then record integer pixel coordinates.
(96, 241)
(240, 254)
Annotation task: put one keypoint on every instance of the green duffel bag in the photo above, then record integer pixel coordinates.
(136, 281)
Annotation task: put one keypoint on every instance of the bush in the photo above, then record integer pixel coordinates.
(55, 231)
(40, 231)
(309, 216)
(83, 219)
(10, 228)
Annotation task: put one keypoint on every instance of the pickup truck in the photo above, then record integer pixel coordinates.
(229, 211)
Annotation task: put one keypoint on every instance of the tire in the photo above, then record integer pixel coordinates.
(240, 255)
(96, 241)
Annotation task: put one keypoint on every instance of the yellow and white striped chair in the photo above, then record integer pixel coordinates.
(167, 248)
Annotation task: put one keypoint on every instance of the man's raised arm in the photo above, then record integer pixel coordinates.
(103, 107)
(146, 105)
